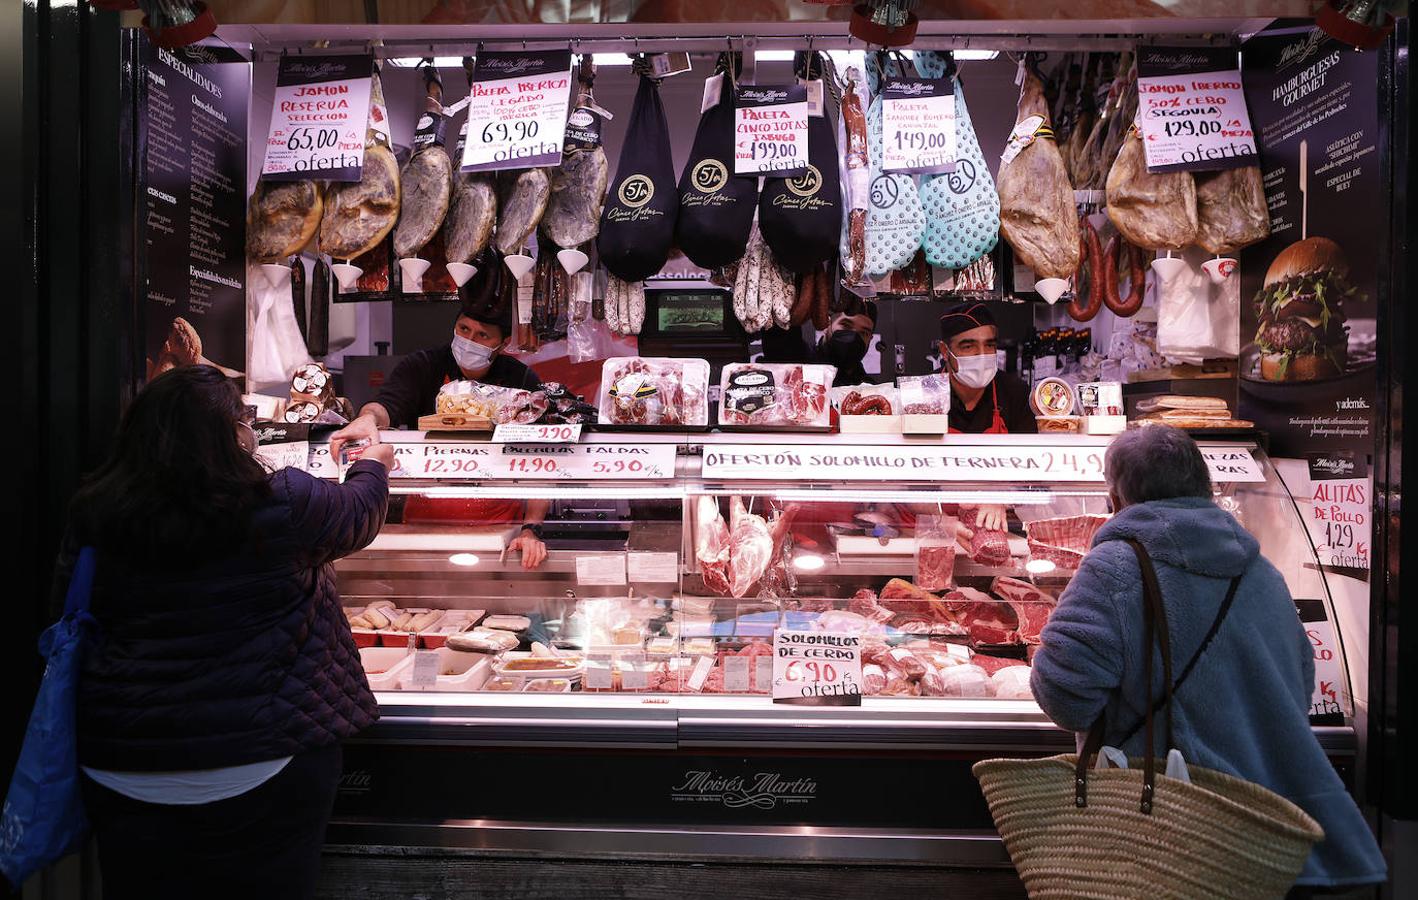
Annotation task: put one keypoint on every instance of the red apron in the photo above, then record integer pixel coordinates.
(997, 426)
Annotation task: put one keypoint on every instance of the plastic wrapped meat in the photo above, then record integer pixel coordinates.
(1032, 606)
(873, 679)
(987, 620)
(992, 664)
(864, 603)
(750, 548)
(1011, 683)
(489, 401)
(654, 391)
(988, 548)
(711, 546)
(776, 395)
(965, 681)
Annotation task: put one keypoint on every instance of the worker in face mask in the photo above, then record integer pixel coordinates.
(844, 344)
(983, 400)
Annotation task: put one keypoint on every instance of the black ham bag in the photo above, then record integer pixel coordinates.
(715, 208)
(801, 218)
(638, 222)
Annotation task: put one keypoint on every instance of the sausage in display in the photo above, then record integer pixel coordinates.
(1091, 259)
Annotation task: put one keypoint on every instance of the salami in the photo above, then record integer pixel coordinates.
(856, 179)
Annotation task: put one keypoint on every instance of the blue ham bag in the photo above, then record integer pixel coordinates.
(43, 819)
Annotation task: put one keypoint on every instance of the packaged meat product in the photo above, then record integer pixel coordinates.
(638, 220)
(925, 395)
(483, 640)
(499, 404)
(965, 681)
(907, 662)
(661, 646)
(873, 679)
(895, 217)
(1052, 397)
(1100, 398)
(502, 683)
(801, 216)
(715, 207)
(962, 207)
(1059, 424)
(935, 552)
(654, 391)
(507, 623)
(1011, 683)
(775, 395)
(932, 685)
(547, 686)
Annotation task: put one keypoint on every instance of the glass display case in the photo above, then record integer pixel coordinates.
(643, 644)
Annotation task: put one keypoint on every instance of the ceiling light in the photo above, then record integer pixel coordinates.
(412, 62)
(1039, 566)
(464, 559)
(773, 55)
(808, 562)
(611, 59)
(975, 54)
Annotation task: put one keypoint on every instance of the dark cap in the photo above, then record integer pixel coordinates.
(963, 317)
(483, 297)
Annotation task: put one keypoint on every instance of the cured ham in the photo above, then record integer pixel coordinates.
(750, 548)
(711, 547)
(1037, 215)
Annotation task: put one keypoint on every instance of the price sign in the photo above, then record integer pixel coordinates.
(770, 130)
(1192, 110)
(537, 434)
(319, 118)
(517, 106)
(918, 125)
(1340, 518)
(425, 669)
(1327, 698)
(816, 668)
(283, 445)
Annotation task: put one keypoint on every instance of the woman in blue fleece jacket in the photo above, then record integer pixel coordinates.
(1244, 709)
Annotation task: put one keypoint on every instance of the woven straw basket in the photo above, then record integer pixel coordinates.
(1216, 837)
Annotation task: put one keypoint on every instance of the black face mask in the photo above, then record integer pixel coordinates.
(845, 348)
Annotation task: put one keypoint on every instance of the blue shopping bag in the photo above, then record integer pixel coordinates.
(43, 819)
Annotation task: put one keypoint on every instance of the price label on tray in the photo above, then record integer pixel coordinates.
(1192, 109)
(537, 434)
(816, 668)
(318, 119)
(770, 130)
(476, 461)
(425, 669)
(918, 125)
(517, 108)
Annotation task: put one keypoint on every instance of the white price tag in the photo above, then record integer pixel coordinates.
(1340, 510)
(770, 130)
(293, 455)
(736, 674)
(712, 87)
(655, 568)
(816, 668)
(633, 674)
(598, 673)
(601, 570)
(1192, 109)
(517, 108)
(762, 674)
(702, 668)
(319, 118)
(469, 461)
(537, 434)
(425, 670)
(918, 125)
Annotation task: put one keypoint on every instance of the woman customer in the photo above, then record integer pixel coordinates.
(223, 676)
(1244, 709)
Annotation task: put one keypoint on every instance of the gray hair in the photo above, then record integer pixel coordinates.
(1157, 462)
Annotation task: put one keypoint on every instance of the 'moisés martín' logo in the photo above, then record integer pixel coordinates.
(709, 176)
(806, 184)
(636, 191)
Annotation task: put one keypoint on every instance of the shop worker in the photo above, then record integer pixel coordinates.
(983, 400)
(475, 353)
(844, 344)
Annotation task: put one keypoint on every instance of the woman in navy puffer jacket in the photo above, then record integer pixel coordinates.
(224, 676)
(1244, 710)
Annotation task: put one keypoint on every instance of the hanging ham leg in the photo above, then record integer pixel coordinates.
(1151, 211)
(750, 548)
(711, 545)
(1037, 215)
(1231, 211)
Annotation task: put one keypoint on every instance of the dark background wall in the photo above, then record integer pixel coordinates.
(67, 309)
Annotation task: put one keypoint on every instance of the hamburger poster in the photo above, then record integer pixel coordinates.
(1308, 291)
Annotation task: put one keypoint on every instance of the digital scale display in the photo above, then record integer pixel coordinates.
(690, 313)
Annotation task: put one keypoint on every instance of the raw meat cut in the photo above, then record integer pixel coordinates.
(711, 546)
(522, 201)
(1037, 215)
(1154, 211)
(1231, 210)
(1011, 683)
(987, 620)
(427, 178)
(1069, 532)
(1062, 557)
(864, 603)
(1031, 605)
(360, 214)
(750, 546)
(935, 566)
(987, 547)
(281, 219)
(992, 664)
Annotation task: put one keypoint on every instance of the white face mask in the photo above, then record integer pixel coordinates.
(470, 355)
(976, 371)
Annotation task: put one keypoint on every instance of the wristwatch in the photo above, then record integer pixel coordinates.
(534, 528)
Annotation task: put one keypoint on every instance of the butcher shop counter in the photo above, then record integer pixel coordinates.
(616, 701)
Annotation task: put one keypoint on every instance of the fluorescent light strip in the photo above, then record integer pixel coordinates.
(440, 62)
(541, 493)
(1003, 498)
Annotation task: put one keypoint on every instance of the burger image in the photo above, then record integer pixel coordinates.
(1302, 335)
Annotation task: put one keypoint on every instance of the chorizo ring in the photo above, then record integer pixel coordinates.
(1085, 304)
(1136, 260)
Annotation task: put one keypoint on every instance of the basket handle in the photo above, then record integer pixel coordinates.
(1155, 631)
